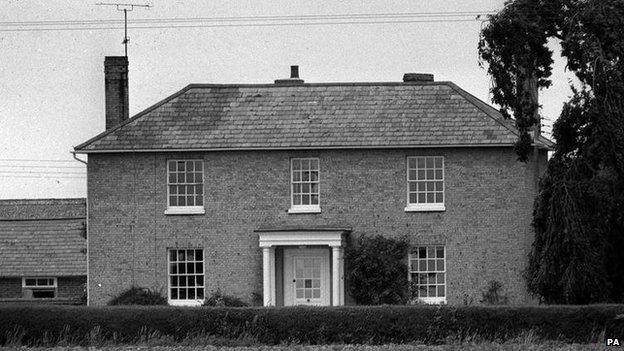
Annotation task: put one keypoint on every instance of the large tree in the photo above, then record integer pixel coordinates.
(578, 252)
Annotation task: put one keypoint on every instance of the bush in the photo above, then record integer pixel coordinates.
(377, 270)
(219, 299)
(138, 296)
(493, 294)
(40, 325)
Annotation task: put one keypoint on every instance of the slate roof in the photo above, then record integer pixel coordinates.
(43, 237)
(310, 116)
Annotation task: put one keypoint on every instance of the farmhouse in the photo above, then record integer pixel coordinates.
(43, 251)
(255, 190)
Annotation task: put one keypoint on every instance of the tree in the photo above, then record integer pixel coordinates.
(579, 211)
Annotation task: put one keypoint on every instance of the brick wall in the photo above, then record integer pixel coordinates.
(10, 287)
(486, 225)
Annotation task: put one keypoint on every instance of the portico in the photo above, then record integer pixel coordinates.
(303, 266)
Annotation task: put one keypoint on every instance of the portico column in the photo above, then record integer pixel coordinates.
(337, 276)
(268, 276)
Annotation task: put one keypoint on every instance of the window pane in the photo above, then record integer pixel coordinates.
(314, 188)
(440, 278)
(305, 164)
(430, 174)
(172, 165)
(413, 198)
(305, 176)
(305, 188)
(199, 267)
(296, 164)
(430, 252)
(174, 294)
(439, 186)
(413, 186)
(182, 294)
(432, 291)
(421, 162)
(173, 268)
(430, 186)
(200, 293)
(296, 199)
(430, 197)
(422, 252)
(440, 265)
(180, 166)
(314, 200)
(439, 197)
(199, 280)
(440, 251)
(412, 175)
(422, 197)
(31, 282)
(438, 162)
(411, 162)
(314, 176)
(305, 199)
(441, 291)
(173, 201)
(182, 201)
(174, 281)
(296, 176)
(429, 162)
(421, 175)
(438, 174)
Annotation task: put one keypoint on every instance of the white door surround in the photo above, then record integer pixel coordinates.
(291, 239)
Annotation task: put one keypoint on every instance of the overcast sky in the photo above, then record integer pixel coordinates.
(52, 81)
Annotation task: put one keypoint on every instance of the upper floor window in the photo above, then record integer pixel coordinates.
(185, 186)
(427, 274)
(425, 183)
(39, 287)
(304, 179)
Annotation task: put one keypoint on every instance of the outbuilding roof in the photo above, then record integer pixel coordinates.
(43, 237)
(311, 116)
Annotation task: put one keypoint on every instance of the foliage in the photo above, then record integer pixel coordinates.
(138, 296)
(219, 299)
(95, 326)
(493, 295)
(579, 212)
(376, 270)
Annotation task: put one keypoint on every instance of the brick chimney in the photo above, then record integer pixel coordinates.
(116, 89)
(417, 77)
(294, 78)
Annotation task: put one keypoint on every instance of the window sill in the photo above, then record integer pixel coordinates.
(432, 300)
(192, 303)
(425, 208)
(305, 209)
(185, 210)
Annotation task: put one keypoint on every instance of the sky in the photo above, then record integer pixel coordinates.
(52, 81)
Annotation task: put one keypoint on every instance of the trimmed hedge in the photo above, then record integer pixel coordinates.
(39, 325)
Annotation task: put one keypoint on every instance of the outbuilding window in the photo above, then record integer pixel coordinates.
(425, 183)
(186, 276)
(39, 287)
(427, 274)
(305, 181)
(185, 186)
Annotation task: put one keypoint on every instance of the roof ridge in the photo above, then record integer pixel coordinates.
(135, 117)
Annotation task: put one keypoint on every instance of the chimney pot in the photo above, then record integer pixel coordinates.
(417, 77)
(294, 72)
(116, 90)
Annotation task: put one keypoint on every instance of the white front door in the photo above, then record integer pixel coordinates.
(306, 277)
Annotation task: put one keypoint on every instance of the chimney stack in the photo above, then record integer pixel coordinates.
(294, 78)
(116, 90)
(417, 77)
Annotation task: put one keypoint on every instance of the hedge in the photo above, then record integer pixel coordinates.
(81, 325)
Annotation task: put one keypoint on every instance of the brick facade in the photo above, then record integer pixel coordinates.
(485, 228)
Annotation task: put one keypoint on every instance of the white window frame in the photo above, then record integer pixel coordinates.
(424, 207)
(41, 287)
(304, 208)
(410, 271)
(185, 302)
(181, 210)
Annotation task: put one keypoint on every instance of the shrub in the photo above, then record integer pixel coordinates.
(493, 294)
(138, 296)
(377, 270)
(219, 299)
(41, 325)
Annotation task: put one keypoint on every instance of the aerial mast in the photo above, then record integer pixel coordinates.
(125, 8)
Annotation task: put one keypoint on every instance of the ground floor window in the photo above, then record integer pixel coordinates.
(427, 273)
(39, 287)
(186, 274)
